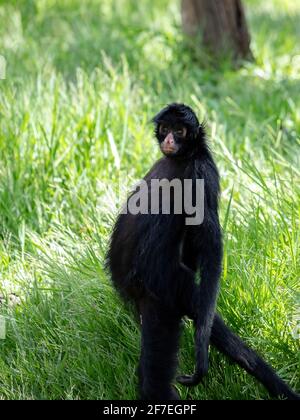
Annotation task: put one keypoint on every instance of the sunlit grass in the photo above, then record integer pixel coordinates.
(83, 81)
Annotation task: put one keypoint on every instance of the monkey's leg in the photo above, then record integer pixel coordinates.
(160, 342)
(233, 347)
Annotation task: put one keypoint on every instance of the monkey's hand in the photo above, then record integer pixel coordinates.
(197, 377)
(188, 380)
(191, 380)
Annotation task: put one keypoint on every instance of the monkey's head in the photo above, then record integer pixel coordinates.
(177, 130)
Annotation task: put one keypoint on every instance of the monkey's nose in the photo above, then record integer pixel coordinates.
(170, 139)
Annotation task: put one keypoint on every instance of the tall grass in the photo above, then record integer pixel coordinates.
(83, 80)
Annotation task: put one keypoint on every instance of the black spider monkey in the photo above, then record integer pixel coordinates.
(153, 260)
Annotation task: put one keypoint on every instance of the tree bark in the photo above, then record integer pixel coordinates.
(221, 23)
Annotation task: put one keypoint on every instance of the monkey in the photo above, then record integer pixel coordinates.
(154, 259)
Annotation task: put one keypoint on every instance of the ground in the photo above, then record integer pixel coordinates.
(83, 80)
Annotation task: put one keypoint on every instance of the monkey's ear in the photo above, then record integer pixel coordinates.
(155, 120)
(201, 132)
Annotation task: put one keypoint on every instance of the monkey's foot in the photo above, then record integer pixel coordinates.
(168, 394)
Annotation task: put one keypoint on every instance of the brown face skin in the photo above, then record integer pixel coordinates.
(173, 137)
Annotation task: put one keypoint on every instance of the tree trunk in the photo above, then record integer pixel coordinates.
(221, 23)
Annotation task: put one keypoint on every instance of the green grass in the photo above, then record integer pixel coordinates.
(83, 80)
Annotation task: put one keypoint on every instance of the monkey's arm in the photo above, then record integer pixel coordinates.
(206, 248)
(204, 305)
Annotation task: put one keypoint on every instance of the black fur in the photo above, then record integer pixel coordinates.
(153, 260)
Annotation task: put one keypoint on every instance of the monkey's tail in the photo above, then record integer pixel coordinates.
(233, 347)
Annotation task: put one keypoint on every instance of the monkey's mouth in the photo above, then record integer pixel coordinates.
(169, 150)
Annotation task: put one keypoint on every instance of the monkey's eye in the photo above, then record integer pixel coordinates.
(180, 132)
(163, 129)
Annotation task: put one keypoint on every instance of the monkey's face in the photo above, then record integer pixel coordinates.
(171, 138)
(176, 129)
